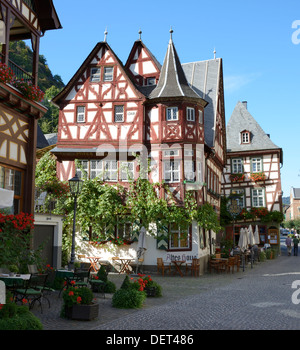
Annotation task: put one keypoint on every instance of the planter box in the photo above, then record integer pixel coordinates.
(82, 312)
(150, 291)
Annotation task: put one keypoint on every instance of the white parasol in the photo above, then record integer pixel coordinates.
(256, 235)
(243, 240)
(141, 246)
(251, 240)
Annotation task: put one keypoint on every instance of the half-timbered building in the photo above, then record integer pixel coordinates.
(109, 108)
(21, 20)
(252, 177)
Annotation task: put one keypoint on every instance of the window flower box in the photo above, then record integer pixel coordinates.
(6, 74)
(258, 176)
(237, 177)
(29, 90)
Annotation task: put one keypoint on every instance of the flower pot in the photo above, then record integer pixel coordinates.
(150, 291)
(82, 312)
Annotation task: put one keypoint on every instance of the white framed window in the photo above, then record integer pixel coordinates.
(80, 114)
(96, 168)
(190, 114)
(95, 74)
(200, 172)
(82, 168)
(119, 114)
(172, 171)
(108, 73)
(110, 168)
(171, 152)
(124, 230)
(256, 164)
(237, 165)
(189, 170)
(178, 237)
(126, 171)
(172, 113)
(258, 197)
(245, 137)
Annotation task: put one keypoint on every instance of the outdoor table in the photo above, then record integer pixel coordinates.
(14, 281)
(178, 264)
(218, 263)
(124, 267)
(94, 260)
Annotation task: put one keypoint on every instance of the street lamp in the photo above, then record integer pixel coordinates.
(234, 208)
(75, 188)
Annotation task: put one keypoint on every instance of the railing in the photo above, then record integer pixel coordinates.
(19, 72)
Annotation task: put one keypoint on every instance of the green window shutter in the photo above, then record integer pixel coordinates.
(162, 240)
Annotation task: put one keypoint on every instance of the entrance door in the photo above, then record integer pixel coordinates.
(43, 235)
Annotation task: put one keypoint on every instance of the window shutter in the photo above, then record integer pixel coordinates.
(162, 239)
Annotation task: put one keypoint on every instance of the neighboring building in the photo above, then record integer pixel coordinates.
(293, 211)
(175, 112)
(21, 20)
(252, 172)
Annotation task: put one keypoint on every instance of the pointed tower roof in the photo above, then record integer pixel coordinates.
(172, 81)
(242, 120)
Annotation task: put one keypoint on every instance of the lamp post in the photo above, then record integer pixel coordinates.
(234, 209)
(75, 188)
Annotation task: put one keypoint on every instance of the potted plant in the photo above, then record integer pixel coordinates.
(261, 176)
(237, 177)
(79, 305)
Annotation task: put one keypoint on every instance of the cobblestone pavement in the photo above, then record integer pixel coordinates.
(258, 299)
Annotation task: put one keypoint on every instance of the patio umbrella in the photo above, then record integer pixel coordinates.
(250, 236)
(243, 240)
(256, 235)
(141, 246)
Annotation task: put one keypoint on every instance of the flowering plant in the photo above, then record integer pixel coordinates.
(77, 296)
(55, 187)
(29, 90)
(258, 176)
(6, 74)
(237, 177)
(20, 222)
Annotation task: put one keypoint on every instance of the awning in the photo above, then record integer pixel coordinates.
(6, 198)
(100, 149)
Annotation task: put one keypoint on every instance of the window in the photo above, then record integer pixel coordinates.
(190, 114)
(245, 137)
(108, 73)
(256, 165)
(119, 114)
(200, 117)
(258, 197)
(96, 168)
(124, 231)
(82, 168)
(189, 170)
(170, 153)
(240, 198)
(95, 74)
(237, 165)
(172, 171)
(179, 237)
(172, 113)
(127, 171)
(80, 114)
(150, 81)
(11, 179)
(110, 170)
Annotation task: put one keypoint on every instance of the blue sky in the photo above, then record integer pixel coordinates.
(256, 40)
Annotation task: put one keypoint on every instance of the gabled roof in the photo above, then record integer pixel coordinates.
(58, 98)
(206, 78)
(47, 15)
(241, 120)
(172, 81)
(295, 193)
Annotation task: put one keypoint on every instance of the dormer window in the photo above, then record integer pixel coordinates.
(245, 137)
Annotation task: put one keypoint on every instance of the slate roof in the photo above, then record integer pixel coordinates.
(241, 120)
(204, 77)
(296, 193)
(41, 140)
(172, 81)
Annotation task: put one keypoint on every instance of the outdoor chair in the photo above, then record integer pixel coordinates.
(194, 267)
(33, 290)
(32, 269)
(231, 263)
(116, 263)
(161, 266)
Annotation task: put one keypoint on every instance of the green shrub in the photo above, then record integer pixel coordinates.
(262, 256)
(110, 287)
(268, 253)
(102, 275)
(128, 299)
(126, 283)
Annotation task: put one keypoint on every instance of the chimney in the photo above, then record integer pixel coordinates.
(245, 104)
